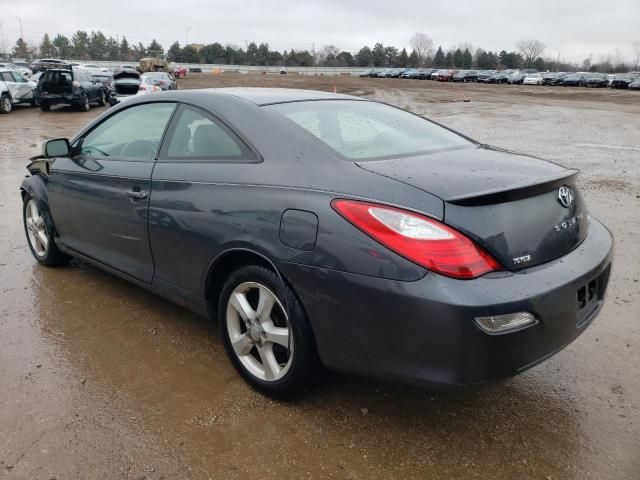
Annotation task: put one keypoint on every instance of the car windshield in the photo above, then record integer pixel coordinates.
(360, 130)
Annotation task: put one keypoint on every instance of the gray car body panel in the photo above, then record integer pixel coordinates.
(198, 211)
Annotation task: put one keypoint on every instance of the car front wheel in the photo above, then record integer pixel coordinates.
(41, 240)
(266, 333)
(102, 101)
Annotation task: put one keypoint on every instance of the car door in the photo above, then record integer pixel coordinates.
(9, 80)
(100, 195)
(22, 87)
(188, 217)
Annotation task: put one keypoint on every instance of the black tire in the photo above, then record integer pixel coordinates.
(102, 101)
(85, 106)
(44, 107)
(304, 370)
(52, 256)
(5, 104)
(34, 102)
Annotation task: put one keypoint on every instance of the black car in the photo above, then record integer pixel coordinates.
(498, 77)
(485, 75)
(466, 76)
(384, 245)
(106, 79)
(622, 80)
(573, 80)
(44, 63)
(635, 85)
(553, 78)
(66, 86)
(425, 73)
(597, 80)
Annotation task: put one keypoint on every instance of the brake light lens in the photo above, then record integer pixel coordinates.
(420, 239)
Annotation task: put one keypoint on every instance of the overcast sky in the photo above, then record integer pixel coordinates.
(574, 29)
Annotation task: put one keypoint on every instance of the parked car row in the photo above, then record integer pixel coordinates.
(77, 86)
(517, 77)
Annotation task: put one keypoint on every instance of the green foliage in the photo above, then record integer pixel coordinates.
(125, 50)
(174, 52)
(539, 64)
(364, 58)
(439, 60)
(80, 42)
(448, 60)
(467, 59)
(510, 59)
(97, 46)
(189, 55)
(403, 59)
(62, 46)
(378, 55)
(213, 53)
(458, 58)
(154, 48)
(21, 49)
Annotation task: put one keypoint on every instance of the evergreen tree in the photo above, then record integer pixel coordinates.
(448, 60)
(21, 50)
(62, 46)
(364, 57)
(80, 42)
(46, 47)
(378, 56)
(403, 58)
(345, 59)
(390, 56)
(125, 50)
(252, 54)
(189, 55)
(97, 47)
(458, 58)
(113, 49)
(263, 54)
(155, 49)
(439, 59)
(213, 53)
(467, 59)
(173, 54)
(414, 59)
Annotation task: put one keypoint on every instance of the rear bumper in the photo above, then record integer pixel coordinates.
(424, 331)
(62, 99)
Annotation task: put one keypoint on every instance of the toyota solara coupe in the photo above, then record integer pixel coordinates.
(325, 230)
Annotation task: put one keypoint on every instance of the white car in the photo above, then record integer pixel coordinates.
(532, 79)
(23, 70)
(15, 88)
(148, 85)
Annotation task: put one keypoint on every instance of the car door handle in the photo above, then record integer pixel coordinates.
(137, 194)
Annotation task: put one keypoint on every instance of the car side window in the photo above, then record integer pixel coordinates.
(6, 76)
(19, 78)
(196, 135)
(134, 133)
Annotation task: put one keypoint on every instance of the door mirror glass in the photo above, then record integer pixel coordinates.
(58, 147)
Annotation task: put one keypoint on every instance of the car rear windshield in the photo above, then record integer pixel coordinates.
(361, 130)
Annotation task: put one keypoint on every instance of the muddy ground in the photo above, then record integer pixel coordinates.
(101, 380)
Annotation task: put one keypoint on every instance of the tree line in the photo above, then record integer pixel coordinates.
(97, 46)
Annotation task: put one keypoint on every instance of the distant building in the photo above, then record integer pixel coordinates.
(197, 46)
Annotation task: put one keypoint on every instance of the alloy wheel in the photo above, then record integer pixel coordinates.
(5, 104)
(36, 229)
(259, 332)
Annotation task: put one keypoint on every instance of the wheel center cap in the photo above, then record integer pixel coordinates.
(254, 331)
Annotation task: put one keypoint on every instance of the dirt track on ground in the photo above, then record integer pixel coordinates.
(99, 379)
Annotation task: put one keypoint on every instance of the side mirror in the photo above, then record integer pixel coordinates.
(58, 147)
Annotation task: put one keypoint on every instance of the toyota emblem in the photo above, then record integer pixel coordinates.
(565, 196)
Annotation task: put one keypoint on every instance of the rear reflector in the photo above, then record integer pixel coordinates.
(511, 322)
(420, 239)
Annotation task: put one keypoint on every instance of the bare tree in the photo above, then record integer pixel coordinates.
(324, 52)
(530, 50)
(636, 51)
(423, 46)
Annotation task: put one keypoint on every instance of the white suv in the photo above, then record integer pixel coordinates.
(14, 89)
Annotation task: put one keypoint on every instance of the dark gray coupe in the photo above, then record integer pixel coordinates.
(327, 230)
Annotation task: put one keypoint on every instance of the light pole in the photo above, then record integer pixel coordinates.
(21, 34)
(186, 36)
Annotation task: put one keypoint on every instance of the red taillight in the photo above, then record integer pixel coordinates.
(420, 239)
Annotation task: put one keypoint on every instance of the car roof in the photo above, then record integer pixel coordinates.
(267, 96)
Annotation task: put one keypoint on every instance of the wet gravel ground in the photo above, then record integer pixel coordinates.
(99, 379)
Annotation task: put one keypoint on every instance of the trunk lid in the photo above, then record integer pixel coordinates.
(508, 203)
(126, 82)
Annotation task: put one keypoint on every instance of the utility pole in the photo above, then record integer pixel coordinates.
(21, 34)
(186, 36)
(1, 39)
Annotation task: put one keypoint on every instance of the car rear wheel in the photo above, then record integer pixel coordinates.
(44, 107)
(34, 102)
(5, 104)
(102, 101)
(266, 333)
(40, 238)
(85, 106)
